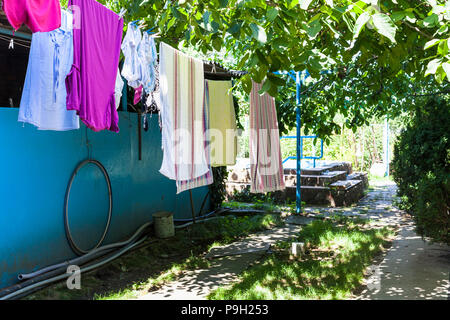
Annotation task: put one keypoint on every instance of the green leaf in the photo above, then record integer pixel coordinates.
(314, 29)
(217, 44)
(398, 15)
(258, 33)
(431, 43)
(235, 28)
(266, 86)
(384, 26)
(446, 68)
(304, 4)
(247, 83)
(223, 3)
(272, 13)
(440, 74)
(206, 16)
(360, 23)
(433, 65)
(443, 48)
(431, 21)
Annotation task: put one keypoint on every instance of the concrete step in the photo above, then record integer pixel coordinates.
(360, 176)
(340, 193)
(242, 175)
(338, 166)
(323, 180)
(347, 192)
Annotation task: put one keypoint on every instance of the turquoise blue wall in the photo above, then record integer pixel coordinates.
(35, 169)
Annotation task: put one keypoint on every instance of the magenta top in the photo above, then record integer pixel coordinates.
(38, 15)
(91, 81)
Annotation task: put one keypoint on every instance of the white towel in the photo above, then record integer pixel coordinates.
(182, 93)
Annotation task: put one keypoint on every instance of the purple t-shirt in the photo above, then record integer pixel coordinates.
(97, 36)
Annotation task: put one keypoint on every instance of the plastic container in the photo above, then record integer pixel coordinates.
(163, 222)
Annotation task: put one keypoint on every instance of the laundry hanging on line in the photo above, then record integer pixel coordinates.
(91, 83)
(182, 94)
(207, 178)
(118, 89)
(266, 169)
(222, 123)
(43, 102)
(140, 64)
(38, 15)
(132, 67)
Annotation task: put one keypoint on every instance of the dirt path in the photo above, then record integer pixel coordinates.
(412, 268)
(197, 284)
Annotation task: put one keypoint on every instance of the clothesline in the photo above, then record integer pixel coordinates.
(16, 41)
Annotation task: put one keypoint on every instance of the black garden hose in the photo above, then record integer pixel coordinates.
(70, 239)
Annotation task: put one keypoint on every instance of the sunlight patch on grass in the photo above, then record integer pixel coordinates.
(225, 230)
(332, 269)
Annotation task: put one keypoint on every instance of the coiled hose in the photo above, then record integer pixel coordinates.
(70, 239)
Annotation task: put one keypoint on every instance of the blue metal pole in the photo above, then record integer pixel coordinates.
(299, 126)
(386, 156)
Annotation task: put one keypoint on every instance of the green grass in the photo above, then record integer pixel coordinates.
(268, 207)
(340, 250)
(375, 178)
(216, 232)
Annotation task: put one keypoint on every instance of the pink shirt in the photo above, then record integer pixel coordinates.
(38, 15)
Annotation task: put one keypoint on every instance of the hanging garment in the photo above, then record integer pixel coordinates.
(153, 100)
(118, 89)
(207, 178)
(38, 15)
(265, 154)
(132, 67)
(137, 95)
(182, 94)
(43, 102)
(91, 81)
(148, 57)
(223, 129)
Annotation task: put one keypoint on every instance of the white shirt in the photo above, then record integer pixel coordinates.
(43, 102)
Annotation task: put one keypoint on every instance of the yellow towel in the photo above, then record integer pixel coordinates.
(222, 123)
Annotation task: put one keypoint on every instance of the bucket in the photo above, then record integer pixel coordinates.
(163, 222)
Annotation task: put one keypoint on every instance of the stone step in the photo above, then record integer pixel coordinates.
(316, 180)
(325, 179)
(360, 176)
(242, 175)
(340, 193)
(338, 166)
(347, 192)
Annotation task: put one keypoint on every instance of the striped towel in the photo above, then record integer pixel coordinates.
(206, 179)
(182, 112)
(265, 154)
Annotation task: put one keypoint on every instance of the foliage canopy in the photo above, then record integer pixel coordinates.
(382, 55)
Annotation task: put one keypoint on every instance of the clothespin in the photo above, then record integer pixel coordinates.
(143, 24)
(122, 12)
(213, 68)
(11, 43)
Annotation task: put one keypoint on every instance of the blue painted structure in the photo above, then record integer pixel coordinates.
(314, 158)
(35, 169)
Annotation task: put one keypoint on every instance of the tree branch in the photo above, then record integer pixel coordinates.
(426, 35)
